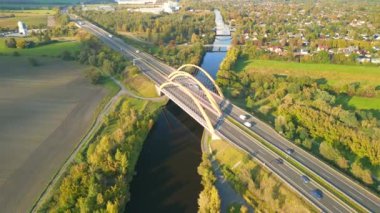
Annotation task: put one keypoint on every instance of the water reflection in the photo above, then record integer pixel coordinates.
(167, 179)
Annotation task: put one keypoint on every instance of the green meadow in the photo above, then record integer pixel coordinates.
(335, 75)
(54, 49)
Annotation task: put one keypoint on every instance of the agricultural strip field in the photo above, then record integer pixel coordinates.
(335, 75)
(44, 113)
(32, 18)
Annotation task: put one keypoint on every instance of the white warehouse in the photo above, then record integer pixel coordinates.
(22, 29)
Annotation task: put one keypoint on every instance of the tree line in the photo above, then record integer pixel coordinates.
(209, 199)
(159, 29)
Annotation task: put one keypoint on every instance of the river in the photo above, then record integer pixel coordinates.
(167, 178)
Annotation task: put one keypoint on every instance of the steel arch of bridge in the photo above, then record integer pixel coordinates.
(209, 96)
(220, 93)
(209, 125)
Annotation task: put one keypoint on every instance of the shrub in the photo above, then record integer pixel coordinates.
(94, 76)
(10, 42)
(359, 172)
(20, 43)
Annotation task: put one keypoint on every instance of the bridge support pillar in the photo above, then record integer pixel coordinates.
(158, 90)
(214, 136)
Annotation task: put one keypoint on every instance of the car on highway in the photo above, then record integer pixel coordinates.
(279, 161)
(243, 117)
(317, 193)
(305, 178)
(137, 51)
(289, 151)
(247, 124)
(109, 35)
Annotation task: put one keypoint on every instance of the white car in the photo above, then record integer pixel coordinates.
(243, 117)
(137, 51)
(109, 35)
(247, 124)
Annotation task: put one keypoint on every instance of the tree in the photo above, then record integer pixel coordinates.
(363, 174)
(94, 76)
(108, 66)
(10, 42)
(112, 207)
(194, 38)
(20, 43)
(209, 200)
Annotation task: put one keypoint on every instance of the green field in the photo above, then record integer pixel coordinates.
(365, 103)
(53, 49)
(32, 18)
(335, 75)
(141, 85)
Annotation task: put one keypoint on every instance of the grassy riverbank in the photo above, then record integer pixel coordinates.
(256, 184)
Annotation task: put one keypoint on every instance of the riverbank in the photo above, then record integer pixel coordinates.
(228, 196)
(248, 179)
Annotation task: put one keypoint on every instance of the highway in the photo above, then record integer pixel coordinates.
(157, 71)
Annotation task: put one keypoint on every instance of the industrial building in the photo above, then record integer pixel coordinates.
(22, 29)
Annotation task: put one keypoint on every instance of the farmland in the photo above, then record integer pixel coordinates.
(45, 110)
(32, 18)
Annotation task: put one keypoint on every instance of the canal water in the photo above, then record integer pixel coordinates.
(167, 179)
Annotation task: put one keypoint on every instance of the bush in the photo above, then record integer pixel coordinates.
(94, 76)
(10, 42)
(20, 43)
(15, 53)
(359, 172)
